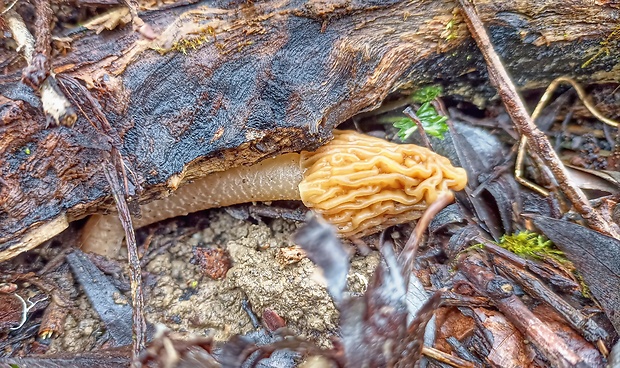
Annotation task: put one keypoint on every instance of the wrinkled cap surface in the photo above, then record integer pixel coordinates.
(363, 184)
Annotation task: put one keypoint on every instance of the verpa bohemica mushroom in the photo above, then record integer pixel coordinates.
(359, 183)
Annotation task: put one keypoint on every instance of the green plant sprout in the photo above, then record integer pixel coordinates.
(450, 32)
(433, 123)
(426, 94)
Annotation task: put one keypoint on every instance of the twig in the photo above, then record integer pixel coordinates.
(580, 93)
(99, 121)
(139, 323)
(537, 111)
(113, 165)
(537, 140)
(38, 68)
(21, 34)
(54, 102)
(407, 256)
(9, 7)
(502, 294)
(412, 115)
(446, 358)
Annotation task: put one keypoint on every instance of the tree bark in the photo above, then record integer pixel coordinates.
(228, 83)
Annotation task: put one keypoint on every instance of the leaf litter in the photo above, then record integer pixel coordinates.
(346, 309)
(370, 308)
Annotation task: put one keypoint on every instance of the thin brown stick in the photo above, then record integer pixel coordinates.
(9, 7)
(412, 115)
(39, 67)
(538, 142)
(407, 256)
(537, 111)
(135, 274)
(102, 124)
(501, 292)
(583, 97)
(446, 358)
(519, 165)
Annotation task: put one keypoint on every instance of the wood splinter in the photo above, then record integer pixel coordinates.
(359, 183)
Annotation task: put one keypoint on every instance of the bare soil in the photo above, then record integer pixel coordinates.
(186, 301)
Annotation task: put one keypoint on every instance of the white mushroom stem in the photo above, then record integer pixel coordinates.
(271, 179)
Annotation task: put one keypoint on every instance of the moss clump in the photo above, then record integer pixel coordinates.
(605, 46)
(528, 244)
(187, 44)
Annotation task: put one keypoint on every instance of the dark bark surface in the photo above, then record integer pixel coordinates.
(229, 83)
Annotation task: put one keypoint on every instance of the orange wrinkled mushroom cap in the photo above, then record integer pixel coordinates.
(363, 184)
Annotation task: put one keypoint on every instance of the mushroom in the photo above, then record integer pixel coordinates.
(359, 183)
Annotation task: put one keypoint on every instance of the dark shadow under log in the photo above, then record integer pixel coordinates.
(229, 83)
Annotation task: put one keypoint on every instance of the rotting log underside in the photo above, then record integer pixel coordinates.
(269, 77)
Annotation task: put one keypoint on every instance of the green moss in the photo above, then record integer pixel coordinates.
(605, 46)
(185, 45)
(189, 43)
(450, 31)
(528, 244)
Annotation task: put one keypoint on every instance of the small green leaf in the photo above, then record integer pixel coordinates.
(426, 94)
(433, 123)
(405, 126)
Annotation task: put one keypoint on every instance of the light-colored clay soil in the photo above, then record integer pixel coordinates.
(187, 302)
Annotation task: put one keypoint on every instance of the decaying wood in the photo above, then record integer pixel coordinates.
(502, 292)
(228, 83)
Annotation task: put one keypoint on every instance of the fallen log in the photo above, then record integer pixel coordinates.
(228, 83)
